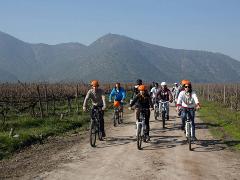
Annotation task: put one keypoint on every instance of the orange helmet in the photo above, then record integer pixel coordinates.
(141, 88)
(185, 81)
(94, 83)
(116, 104)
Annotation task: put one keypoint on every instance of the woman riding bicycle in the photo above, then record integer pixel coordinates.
(188, 102)
(98, 101)
(143, 101)
(119, 94)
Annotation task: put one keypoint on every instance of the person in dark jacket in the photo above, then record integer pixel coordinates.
(143, 101)
(165, 94)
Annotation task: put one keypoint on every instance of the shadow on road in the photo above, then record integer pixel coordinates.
(116, 141)
(213, 145)
(206, 125)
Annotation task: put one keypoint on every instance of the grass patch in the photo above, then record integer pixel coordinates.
(34, 130)
(224, 123)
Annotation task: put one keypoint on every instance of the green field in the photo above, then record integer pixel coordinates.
(223, 122)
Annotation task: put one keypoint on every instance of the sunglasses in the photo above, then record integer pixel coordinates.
(187, 86)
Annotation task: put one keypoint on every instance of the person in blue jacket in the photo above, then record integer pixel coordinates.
(119, 94)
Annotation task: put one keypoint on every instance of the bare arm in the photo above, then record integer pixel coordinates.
(104, 102)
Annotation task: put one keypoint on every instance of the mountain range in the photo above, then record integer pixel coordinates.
(110, 58)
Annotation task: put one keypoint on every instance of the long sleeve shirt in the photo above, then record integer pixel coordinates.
(142, 101)
(165, 95)
(119, 94)
(187, 100)
(97, 97)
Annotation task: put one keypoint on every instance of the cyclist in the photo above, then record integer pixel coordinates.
(151, 85)
(143, 101)
(175, 91)
(119, 94)
(181, 88)
(165, 94)
(153, 93)
(98, 100)
(188, 101)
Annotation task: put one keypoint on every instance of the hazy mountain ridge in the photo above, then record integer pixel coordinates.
(111, 58)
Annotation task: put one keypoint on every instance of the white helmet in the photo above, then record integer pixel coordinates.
(175, 83)
(163, 83)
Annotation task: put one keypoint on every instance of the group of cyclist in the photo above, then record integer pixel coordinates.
(185, 99)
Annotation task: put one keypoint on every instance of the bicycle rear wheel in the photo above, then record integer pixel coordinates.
(139, 137)
(93, 133)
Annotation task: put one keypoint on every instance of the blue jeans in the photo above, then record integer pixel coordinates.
(191, 114)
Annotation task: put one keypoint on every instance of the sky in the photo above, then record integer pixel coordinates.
(212, 25)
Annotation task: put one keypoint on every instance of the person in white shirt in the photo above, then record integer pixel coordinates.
(153, 93)
(188, 102)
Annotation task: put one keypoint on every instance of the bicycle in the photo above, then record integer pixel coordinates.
(118, 112)
(189, 129)
(163, 109)
(95, 126)
(141, 128)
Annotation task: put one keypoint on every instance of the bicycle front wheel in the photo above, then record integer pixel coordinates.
(155, 114)
(114, 119)
(163, 119)
(189, 136)
(100, 133)
(93, 134)
(139, 137)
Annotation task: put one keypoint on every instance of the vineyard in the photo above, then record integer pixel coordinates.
(225, 94)
(43, 99)
(31, 112)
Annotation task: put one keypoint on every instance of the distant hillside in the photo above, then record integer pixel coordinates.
(111, 58)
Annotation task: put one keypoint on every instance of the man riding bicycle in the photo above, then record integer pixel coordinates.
(143, 101)
(153, 93)
(165, 94)
(175, 92)
(119, 94)
(98, 101)
(188, 101)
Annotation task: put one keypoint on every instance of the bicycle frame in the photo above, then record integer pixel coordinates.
(95, 126)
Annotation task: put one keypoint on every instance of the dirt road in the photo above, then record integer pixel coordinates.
(165, 157)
